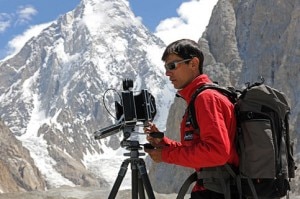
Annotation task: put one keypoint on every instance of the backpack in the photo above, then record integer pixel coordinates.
(263, 145)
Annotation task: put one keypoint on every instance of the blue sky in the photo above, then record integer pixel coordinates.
(162, 17)
(153, 11)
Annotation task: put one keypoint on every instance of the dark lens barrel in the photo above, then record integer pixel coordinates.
(127, 84)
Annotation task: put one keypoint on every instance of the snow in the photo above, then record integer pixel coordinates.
(102, 15)
(36, 144)
(107, 165)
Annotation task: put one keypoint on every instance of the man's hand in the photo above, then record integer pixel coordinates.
(155, 154)
(151, 128)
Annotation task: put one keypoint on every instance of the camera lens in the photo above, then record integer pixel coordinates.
(127, 84)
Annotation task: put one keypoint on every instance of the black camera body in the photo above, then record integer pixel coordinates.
(132, 109)
(135, 108)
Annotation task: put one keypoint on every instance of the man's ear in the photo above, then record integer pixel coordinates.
(195, 63)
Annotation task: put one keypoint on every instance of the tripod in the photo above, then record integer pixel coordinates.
(139, 176)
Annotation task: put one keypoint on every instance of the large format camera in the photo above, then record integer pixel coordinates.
(131, 109)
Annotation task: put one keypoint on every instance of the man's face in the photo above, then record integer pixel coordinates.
(180, 72)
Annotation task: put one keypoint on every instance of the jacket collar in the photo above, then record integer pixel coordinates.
(187, 92)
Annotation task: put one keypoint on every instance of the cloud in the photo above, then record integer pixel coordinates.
(25, 14)
(22, 16)
(15, 45)
(5, 21)
(193, 17)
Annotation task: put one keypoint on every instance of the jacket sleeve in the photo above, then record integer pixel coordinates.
(213, 148)
(169, 142)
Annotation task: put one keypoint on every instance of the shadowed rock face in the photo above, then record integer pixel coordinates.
(17, 169)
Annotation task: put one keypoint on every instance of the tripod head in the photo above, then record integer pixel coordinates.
(129, 144)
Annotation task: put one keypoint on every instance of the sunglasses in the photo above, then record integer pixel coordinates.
(173, 65)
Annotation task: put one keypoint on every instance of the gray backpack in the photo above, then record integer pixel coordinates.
(263, 144)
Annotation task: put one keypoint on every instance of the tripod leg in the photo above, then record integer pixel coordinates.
(141, 188)
(145, 179)
(134, 181)
(121, 175)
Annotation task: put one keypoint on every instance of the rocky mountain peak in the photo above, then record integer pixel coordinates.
(57, 82)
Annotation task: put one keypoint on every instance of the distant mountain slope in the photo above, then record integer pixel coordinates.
(51, 92)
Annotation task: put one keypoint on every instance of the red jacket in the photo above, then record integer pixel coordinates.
(214, 145)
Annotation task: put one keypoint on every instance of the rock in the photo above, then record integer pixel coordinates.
(18, 171)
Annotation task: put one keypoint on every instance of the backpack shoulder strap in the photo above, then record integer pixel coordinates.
(184, 188)
(229, 92)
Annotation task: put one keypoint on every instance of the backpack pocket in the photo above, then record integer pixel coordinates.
(257, 151)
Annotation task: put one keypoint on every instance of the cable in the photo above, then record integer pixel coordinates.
(111, 89)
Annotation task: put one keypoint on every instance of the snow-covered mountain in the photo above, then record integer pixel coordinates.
(52, 91)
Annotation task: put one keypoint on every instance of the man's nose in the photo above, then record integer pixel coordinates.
(168, 73)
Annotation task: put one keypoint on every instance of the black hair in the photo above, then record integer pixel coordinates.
(186, 49)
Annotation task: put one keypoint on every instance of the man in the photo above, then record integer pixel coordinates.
(212, 144)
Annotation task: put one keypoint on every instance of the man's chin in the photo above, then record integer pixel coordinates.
(176, 86)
